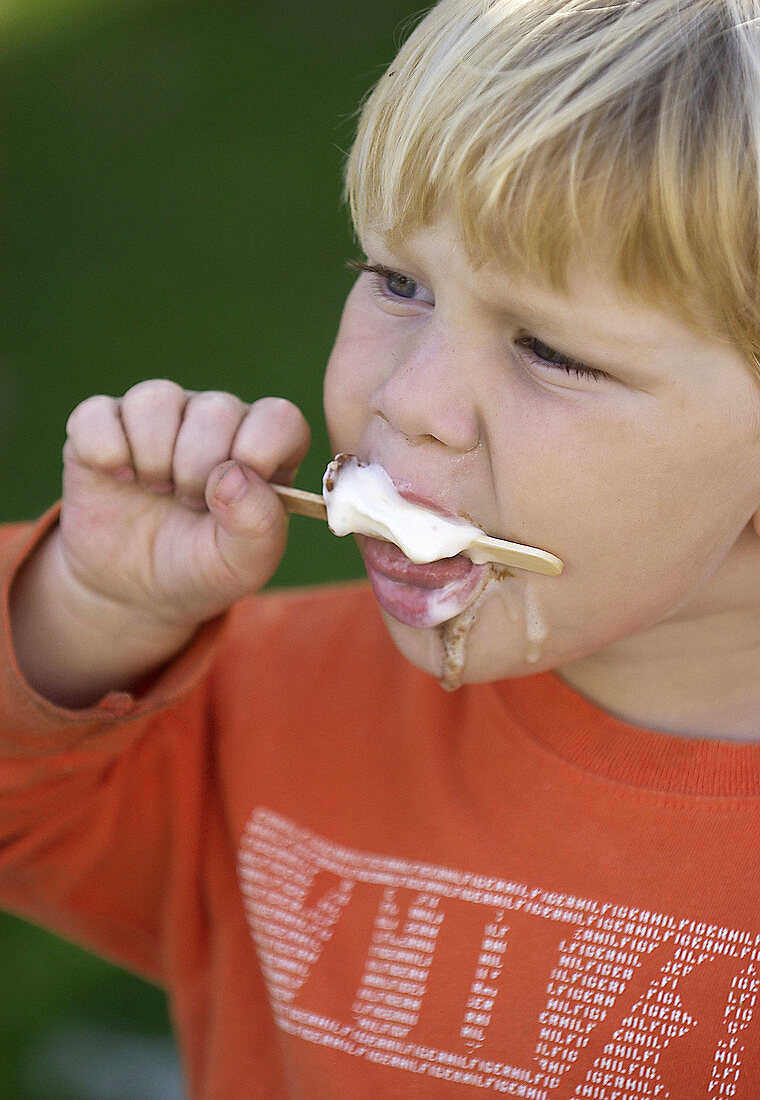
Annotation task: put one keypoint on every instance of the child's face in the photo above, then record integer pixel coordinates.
(470, 387)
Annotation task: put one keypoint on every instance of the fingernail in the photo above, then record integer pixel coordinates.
(231, 486)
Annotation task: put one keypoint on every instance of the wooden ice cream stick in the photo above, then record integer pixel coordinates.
(301, 503)
(515, 554)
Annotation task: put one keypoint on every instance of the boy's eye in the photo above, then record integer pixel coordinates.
(400, 284)
(549, 356)
(392, 284)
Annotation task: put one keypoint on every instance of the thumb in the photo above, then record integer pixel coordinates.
(251, 525)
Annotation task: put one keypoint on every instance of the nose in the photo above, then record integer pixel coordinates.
(426, 395)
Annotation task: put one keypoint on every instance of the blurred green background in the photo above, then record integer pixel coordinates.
(169, 206)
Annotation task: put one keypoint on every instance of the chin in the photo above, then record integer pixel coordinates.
(420, 645)
(425, 648)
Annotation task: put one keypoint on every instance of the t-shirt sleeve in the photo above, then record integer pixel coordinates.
(102, 809)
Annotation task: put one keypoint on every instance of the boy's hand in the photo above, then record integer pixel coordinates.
(166, 520)
(165, 507)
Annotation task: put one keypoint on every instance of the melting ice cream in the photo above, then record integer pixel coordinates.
(361, 499)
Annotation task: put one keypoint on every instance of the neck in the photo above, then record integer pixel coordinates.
(696, 673)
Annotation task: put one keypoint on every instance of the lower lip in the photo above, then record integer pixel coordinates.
(420, 595)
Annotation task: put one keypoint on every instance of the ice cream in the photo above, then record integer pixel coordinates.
(419, 570)
(361, 499)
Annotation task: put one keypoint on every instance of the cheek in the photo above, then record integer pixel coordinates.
(345, 399)
(632, 513)
(551, 467)
(354, 370)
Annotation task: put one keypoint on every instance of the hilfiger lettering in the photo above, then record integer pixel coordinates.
(618, 999)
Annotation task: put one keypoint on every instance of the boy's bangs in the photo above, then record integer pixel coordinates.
(550, 126)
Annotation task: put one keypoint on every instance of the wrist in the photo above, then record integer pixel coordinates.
(74, 644)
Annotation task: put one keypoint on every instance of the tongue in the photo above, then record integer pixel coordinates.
(388, 559)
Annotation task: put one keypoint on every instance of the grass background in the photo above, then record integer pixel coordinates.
(169, 206)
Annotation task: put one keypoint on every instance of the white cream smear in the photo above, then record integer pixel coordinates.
(362, 499)
(455, 632)
(535, 627)
(522, 607)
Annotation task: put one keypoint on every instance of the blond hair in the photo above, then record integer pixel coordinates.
(548, 123)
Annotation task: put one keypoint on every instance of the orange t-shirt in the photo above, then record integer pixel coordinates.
(353, 884)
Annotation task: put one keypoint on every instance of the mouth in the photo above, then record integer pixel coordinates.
(420, 595)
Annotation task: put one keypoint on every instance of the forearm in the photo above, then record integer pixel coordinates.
(74, 646)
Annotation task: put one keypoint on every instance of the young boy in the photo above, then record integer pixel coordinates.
(352, 883)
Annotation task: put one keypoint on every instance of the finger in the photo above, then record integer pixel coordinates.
(151, 413)
(251, 525)
(204, 440)
(272, 439)
(95, 438)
